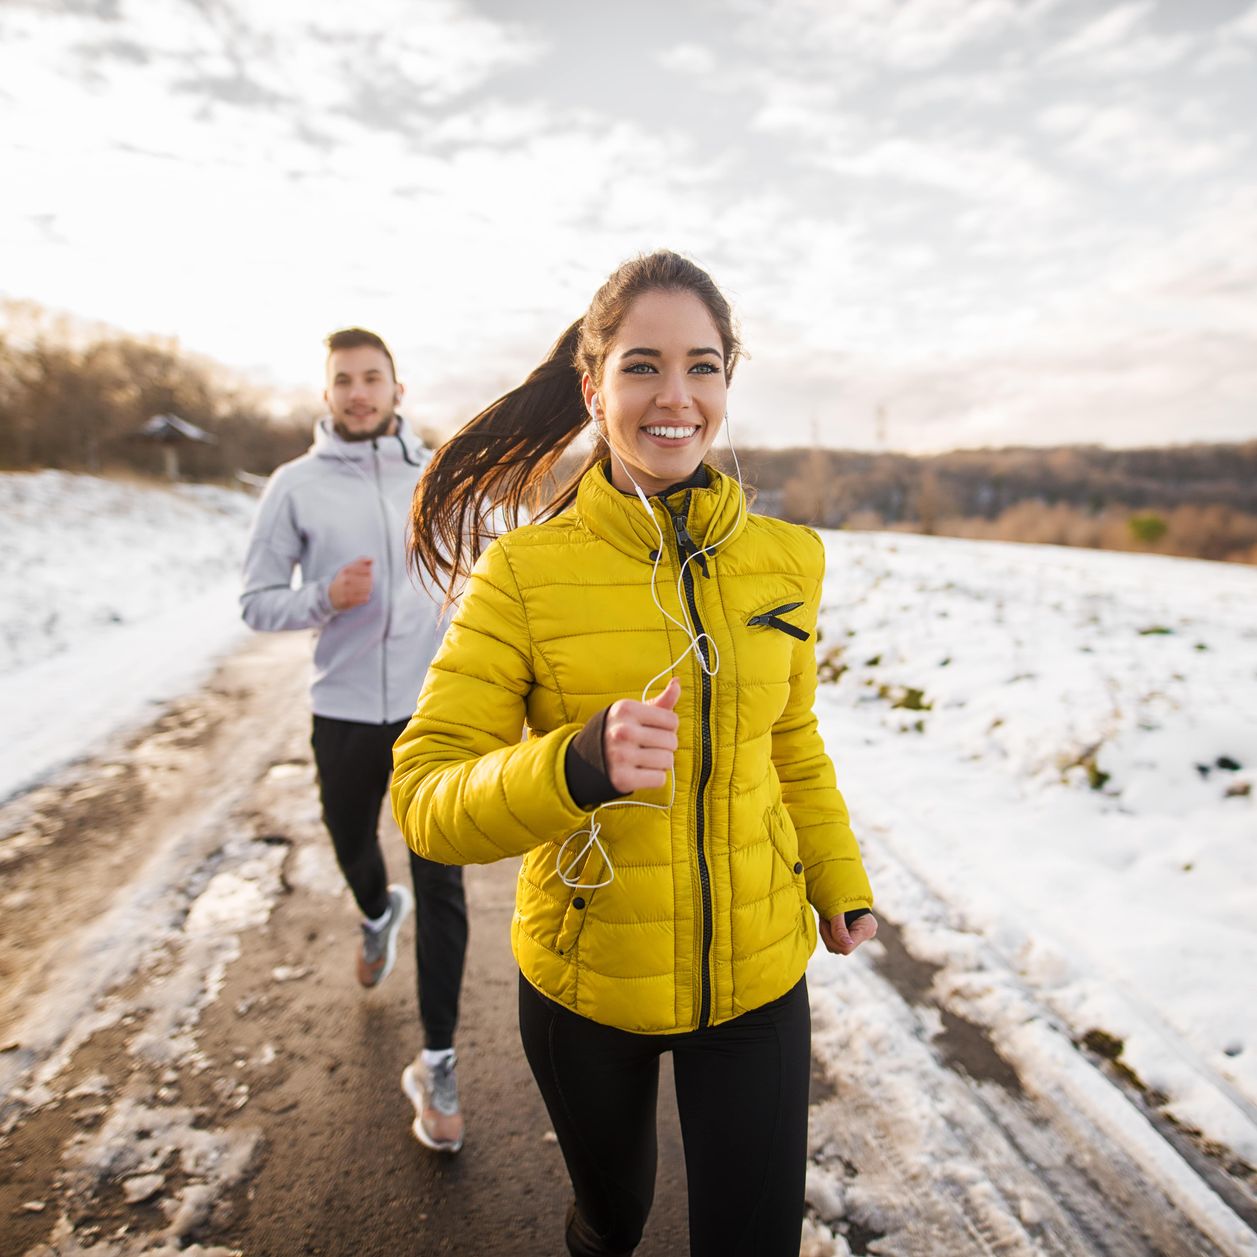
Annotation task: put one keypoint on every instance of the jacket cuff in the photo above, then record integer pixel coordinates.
(322, 600)
(585, 767)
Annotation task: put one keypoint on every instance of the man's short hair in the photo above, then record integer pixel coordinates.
(359, 338)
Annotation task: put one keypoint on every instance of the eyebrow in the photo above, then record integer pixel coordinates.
(654, 353)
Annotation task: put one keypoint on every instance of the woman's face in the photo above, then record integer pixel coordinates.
(663, 392)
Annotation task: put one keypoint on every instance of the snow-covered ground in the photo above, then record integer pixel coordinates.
(1051, 757)
(117, 595)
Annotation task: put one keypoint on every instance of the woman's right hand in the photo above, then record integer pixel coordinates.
(639, 740)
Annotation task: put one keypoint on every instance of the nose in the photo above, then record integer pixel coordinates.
(674, 391)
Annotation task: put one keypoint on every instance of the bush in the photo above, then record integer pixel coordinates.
(1147, 529)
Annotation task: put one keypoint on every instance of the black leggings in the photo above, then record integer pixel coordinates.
(354, 762)
(742, 1092)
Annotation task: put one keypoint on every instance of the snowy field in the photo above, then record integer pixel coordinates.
(1051, 759)
(118, 594)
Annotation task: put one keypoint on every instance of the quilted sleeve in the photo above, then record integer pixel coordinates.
(466, 789)
(836, 880)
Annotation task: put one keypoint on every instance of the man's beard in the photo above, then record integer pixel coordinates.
(381, 429)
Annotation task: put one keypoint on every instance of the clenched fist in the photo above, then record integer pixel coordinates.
(640, 739)
(838, 938)
(351, 586)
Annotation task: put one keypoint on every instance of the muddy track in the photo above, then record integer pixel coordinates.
(127, 822)
(1022, 1159)
(181, 1075)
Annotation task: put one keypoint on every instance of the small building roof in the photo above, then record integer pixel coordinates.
(171, 428)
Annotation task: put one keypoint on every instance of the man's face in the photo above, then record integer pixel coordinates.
(361, 392)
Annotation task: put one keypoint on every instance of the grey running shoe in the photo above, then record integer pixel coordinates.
(379, 947)
(433, 1090)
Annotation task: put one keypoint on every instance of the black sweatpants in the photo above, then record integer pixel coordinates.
(742, 1090)
(354, 762)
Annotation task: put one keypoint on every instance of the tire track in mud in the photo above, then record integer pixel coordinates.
(934, 1141)
(123, 827)
(113, 870)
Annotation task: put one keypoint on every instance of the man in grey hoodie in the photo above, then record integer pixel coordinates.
(339, 515)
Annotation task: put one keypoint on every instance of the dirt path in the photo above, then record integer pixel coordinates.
(188, 1065)
(180, 1017)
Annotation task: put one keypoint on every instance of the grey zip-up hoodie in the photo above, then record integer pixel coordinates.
(343, 500)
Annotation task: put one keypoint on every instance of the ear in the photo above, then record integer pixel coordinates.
(399, 391)
(588, 392)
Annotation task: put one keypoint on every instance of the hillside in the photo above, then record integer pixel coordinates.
(1192, 500)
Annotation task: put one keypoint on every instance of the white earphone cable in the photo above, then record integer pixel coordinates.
(564, 866)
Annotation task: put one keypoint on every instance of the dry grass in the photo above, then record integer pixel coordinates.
(1201, 532)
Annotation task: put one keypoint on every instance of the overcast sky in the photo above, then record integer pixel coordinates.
(993, 221)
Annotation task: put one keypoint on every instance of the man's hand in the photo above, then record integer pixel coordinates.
(640, 739)
(351, 586)
(837, 938)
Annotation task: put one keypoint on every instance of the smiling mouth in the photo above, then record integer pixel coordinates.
(671, 432)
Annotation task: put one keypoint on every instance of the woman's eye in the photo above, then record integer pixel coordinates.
(639, 368)
(705, 368)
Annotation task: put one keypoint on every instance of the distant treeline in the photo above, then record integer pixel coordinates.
(1196, 500)
(73, 398)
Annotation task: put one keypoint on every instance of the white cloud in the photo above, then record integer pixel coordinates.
(882, 32)
(1113, 44)
(1103, 32)
(1230, 45)
(803, 108)
(993, 87)
(1134, 142)
(955, 164)
(1244, 26)
(695, 59)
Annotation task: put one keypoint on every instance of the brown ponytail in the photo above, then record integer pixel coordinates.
(495, 463)
(499, 463)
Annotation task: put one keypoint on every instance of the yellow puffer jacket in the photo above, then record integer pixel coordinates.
(707, 915)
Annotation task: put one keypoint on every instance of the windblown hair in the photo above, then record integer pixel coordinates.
(359, 338)
(498, 466)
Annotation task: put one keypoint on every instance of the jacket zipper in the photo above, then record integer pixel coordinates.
(685, 547)
(772, 620)
(388, 594)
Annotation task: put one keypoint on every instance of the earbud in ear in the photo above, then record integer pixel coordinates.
(593, 407)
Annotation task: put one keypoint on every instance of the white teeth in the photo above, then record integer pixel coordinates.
(673, 434)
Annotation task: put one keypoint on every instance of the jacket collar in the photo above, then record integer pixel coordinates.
(402, 447)
(619, 519)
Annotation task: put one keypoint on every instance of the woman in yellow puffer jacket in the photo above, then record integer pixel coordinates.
(674, 844)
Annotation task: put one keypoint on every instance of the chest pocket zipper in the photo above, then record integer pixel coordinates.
(770, 620)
